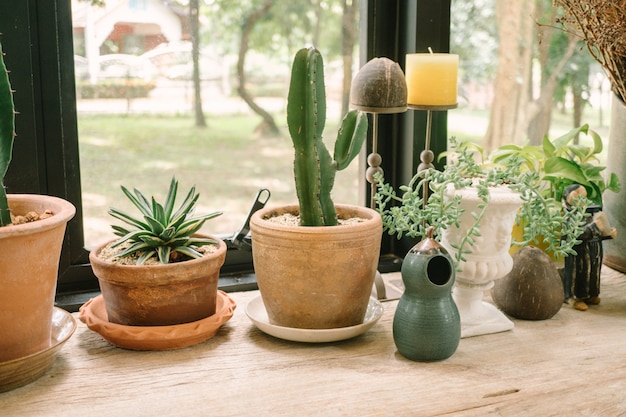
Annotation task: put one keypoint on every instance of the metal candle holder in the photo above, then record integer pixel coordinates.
(427, 156)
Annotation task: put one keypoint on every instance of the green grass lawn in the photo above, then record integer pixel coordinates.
(227, 161)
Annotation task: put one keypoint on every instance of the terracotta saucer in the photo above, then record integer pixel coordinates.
(93, 314)
(21, 371)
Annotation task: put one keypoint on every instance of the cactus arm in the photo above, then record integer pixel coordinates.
(327, 181)
(350, 138)
(7, 133)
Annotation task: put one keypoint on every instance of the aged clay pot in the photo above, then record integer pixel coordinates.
(316, 277)
(159, 295)
(29, 266)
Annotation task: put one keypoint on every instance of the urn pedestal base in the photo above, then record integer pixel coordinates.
(478, 317)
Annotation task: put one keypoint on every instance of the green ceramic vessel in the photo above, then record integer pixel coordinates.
(426, 324)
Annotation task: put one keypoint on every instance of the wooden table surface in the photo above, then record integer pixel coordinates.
(571, 365)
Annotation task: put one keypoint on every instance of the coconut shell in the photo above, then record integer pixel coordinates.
(379, 87)
(533, 290)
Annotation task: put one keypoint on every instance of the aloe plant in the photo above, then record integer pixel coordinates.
(160, 231)
(7, 134)
(314, 168)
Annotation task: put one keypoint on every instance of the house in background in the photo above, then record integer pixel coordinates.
(124, 27)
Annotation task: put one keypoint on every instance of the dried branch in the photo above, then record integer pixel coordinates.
(602, 25)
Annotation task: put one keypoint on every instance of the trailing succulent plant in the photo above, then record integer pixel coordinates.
(408, 213)
(161, 231)
(314, 168)
(7, 135)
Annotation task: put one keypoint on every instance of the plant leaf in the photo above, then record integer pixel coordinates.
(128, 219)
(137, 202)
(185, 250)
(170, 200)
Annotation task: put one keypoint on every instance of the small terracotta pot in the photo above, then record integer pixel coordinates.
(29, 265)
(159, 295)
(316, 277)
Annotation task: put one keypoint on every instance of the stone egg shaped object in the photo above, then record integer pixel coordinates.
(533, 290)
(379, 87)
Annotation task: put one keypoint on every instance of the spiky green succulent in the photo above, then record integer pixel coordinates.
(161, 231)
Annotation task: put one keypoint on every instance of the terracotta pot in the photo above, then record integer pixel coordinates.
(29, 266)
(316, 277)
(159, 295)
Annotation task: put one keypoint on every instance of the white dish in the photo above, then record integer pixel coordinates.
(255, 310)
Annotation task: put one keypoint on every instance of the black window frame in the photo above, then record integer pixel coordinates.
(38, 42)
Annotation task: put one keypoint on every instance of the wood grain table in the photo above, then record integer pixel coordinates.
(571, 365)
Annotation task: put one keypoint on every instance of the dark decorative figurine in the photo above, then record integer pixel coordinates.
(581, 274)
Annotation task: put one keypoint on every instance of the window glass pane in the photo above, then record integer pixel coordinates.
(136, 101)
(521, 76)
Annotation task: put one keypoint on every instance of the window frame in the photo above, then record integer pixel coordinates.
(38, 41)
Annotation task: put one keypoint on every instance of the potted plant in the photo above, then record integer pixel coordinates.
(318, 271)
(563, 161)
(159, 271)
(559, 163)
(32, 230)
(473, 207)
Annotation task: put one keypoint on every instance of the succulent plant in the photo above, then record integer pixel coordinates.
(7, 134)
(408, 214)
(161, 231)
(314, 168)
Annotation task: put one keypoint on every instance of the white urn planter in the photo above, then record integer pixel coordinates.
(488, 261)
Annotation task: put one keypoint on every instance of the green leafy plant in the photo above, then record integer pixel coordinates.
(161, 231)
(7, 135)
(314, 168)
(411, 214)
(561, 162)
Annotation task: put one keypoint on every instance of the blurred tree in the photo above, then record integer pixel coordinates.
(277, 28)
(554, 51)
(268, 125)
(349, 36)
(508, 121)
(194, 29)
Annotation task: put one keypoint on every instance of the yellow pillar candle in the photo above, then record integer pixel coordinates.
(431, 79)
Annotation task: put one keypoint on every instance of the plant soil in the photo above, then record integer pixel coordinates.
(31, 216)
(288, 219)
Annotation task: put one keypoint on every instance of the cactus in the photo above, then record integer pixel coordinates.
(7, 133)
(314, 169)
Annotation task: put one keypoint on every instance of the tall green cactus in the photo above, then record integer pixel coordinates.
(314, 168)
(7, 133)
